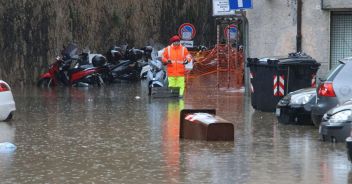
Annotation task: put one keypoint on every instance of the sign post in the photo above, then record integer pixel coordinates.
(229, 13)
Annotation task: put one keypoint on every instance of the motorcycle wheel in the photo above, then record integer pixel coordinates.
(98, 81)
(149, 90)
(134, 75)
(44, 82)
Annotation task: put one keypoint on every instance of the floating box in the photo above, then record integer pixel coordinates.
(203, 124)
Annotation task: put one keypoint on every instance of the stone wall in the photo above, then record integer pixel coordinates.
(33, 32)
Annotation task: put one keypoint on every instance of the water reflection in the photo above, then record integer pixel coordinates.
(170, 139)
(211, 162)
(294, 153)
(106, 135)
(7, 134)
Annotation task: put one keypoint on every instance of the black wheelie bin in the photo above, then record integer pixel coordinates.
(271, 78)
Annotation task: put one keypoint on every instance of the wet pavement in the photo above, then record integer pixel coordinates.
(107, 135)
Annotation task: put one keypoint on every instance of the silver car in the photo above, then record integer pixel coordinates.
(336, 123)
(334, 90)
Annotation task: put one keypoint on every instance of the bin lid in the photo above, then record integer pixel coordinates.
(272, 58)
(290, 59)
(298, 59)
(269, 60)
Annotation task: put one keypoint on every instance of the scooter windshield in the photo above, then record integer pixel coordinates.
(69, 51)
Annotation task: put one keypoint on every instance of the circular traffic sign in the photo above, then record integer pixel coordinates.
(187, 31)
(231, 32)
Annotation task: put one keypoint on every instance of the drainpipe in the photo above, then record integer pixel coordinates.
(246, 54)
(299, 26)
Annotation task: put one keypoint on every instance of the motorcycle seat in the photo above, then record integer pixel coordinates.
(86, 66)
(74, 70)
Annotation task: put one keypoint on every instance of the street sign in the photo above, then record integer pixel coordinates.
(187, 43)
(222, 8)
(187, 31)
(240, 4)
(231, 32)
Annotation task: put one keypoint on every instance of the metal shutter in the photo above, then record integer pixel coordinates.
(341, 36)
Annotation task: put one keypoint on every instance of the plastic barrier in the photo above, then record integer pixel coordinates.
(6, 147)
(225, 61)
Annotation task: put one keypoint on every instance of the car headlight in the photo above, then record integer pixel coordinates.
(285, 100)
(339, 117)
(301, 99)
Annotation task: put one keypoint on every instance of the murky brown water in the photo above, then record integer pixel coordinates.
(106, 135)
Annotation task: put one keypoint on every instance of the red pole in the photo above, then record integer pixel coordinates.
(228, 56)
(217, 54)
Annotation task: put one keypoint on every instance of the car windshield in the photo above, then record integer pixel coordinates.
(333, 72)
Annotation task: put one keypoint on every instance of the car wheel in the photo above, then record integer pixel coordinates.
(9, 117)
(316, 120)
(349, 148)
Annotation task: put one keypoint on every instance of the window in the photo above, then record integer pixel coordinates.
(341, 37)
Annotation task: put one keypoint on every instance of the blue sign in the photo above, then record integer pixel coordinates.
(240, 4)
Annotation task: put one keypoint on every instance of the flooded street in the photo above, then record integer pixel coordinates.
(107, 135)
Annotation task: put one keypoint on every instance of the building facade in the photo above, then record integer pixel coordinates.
(326, 29)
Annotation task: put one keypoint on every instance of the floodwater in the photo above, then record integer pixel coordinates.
(109, 135)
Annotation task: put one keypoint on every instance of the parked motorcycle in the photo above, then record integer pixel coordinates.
(71, 70)
(102, 67)
(133, 66)
(84, 75)
(56, 74)
(90, 60)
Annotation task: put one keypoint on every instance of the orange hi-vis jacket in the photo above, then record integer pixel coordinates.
(177, 55)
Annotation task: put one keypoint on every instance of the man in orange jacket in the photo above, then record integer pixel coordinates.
(176, 56)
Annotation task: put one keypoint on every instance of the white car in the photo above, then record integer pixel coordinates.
(7, 104)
